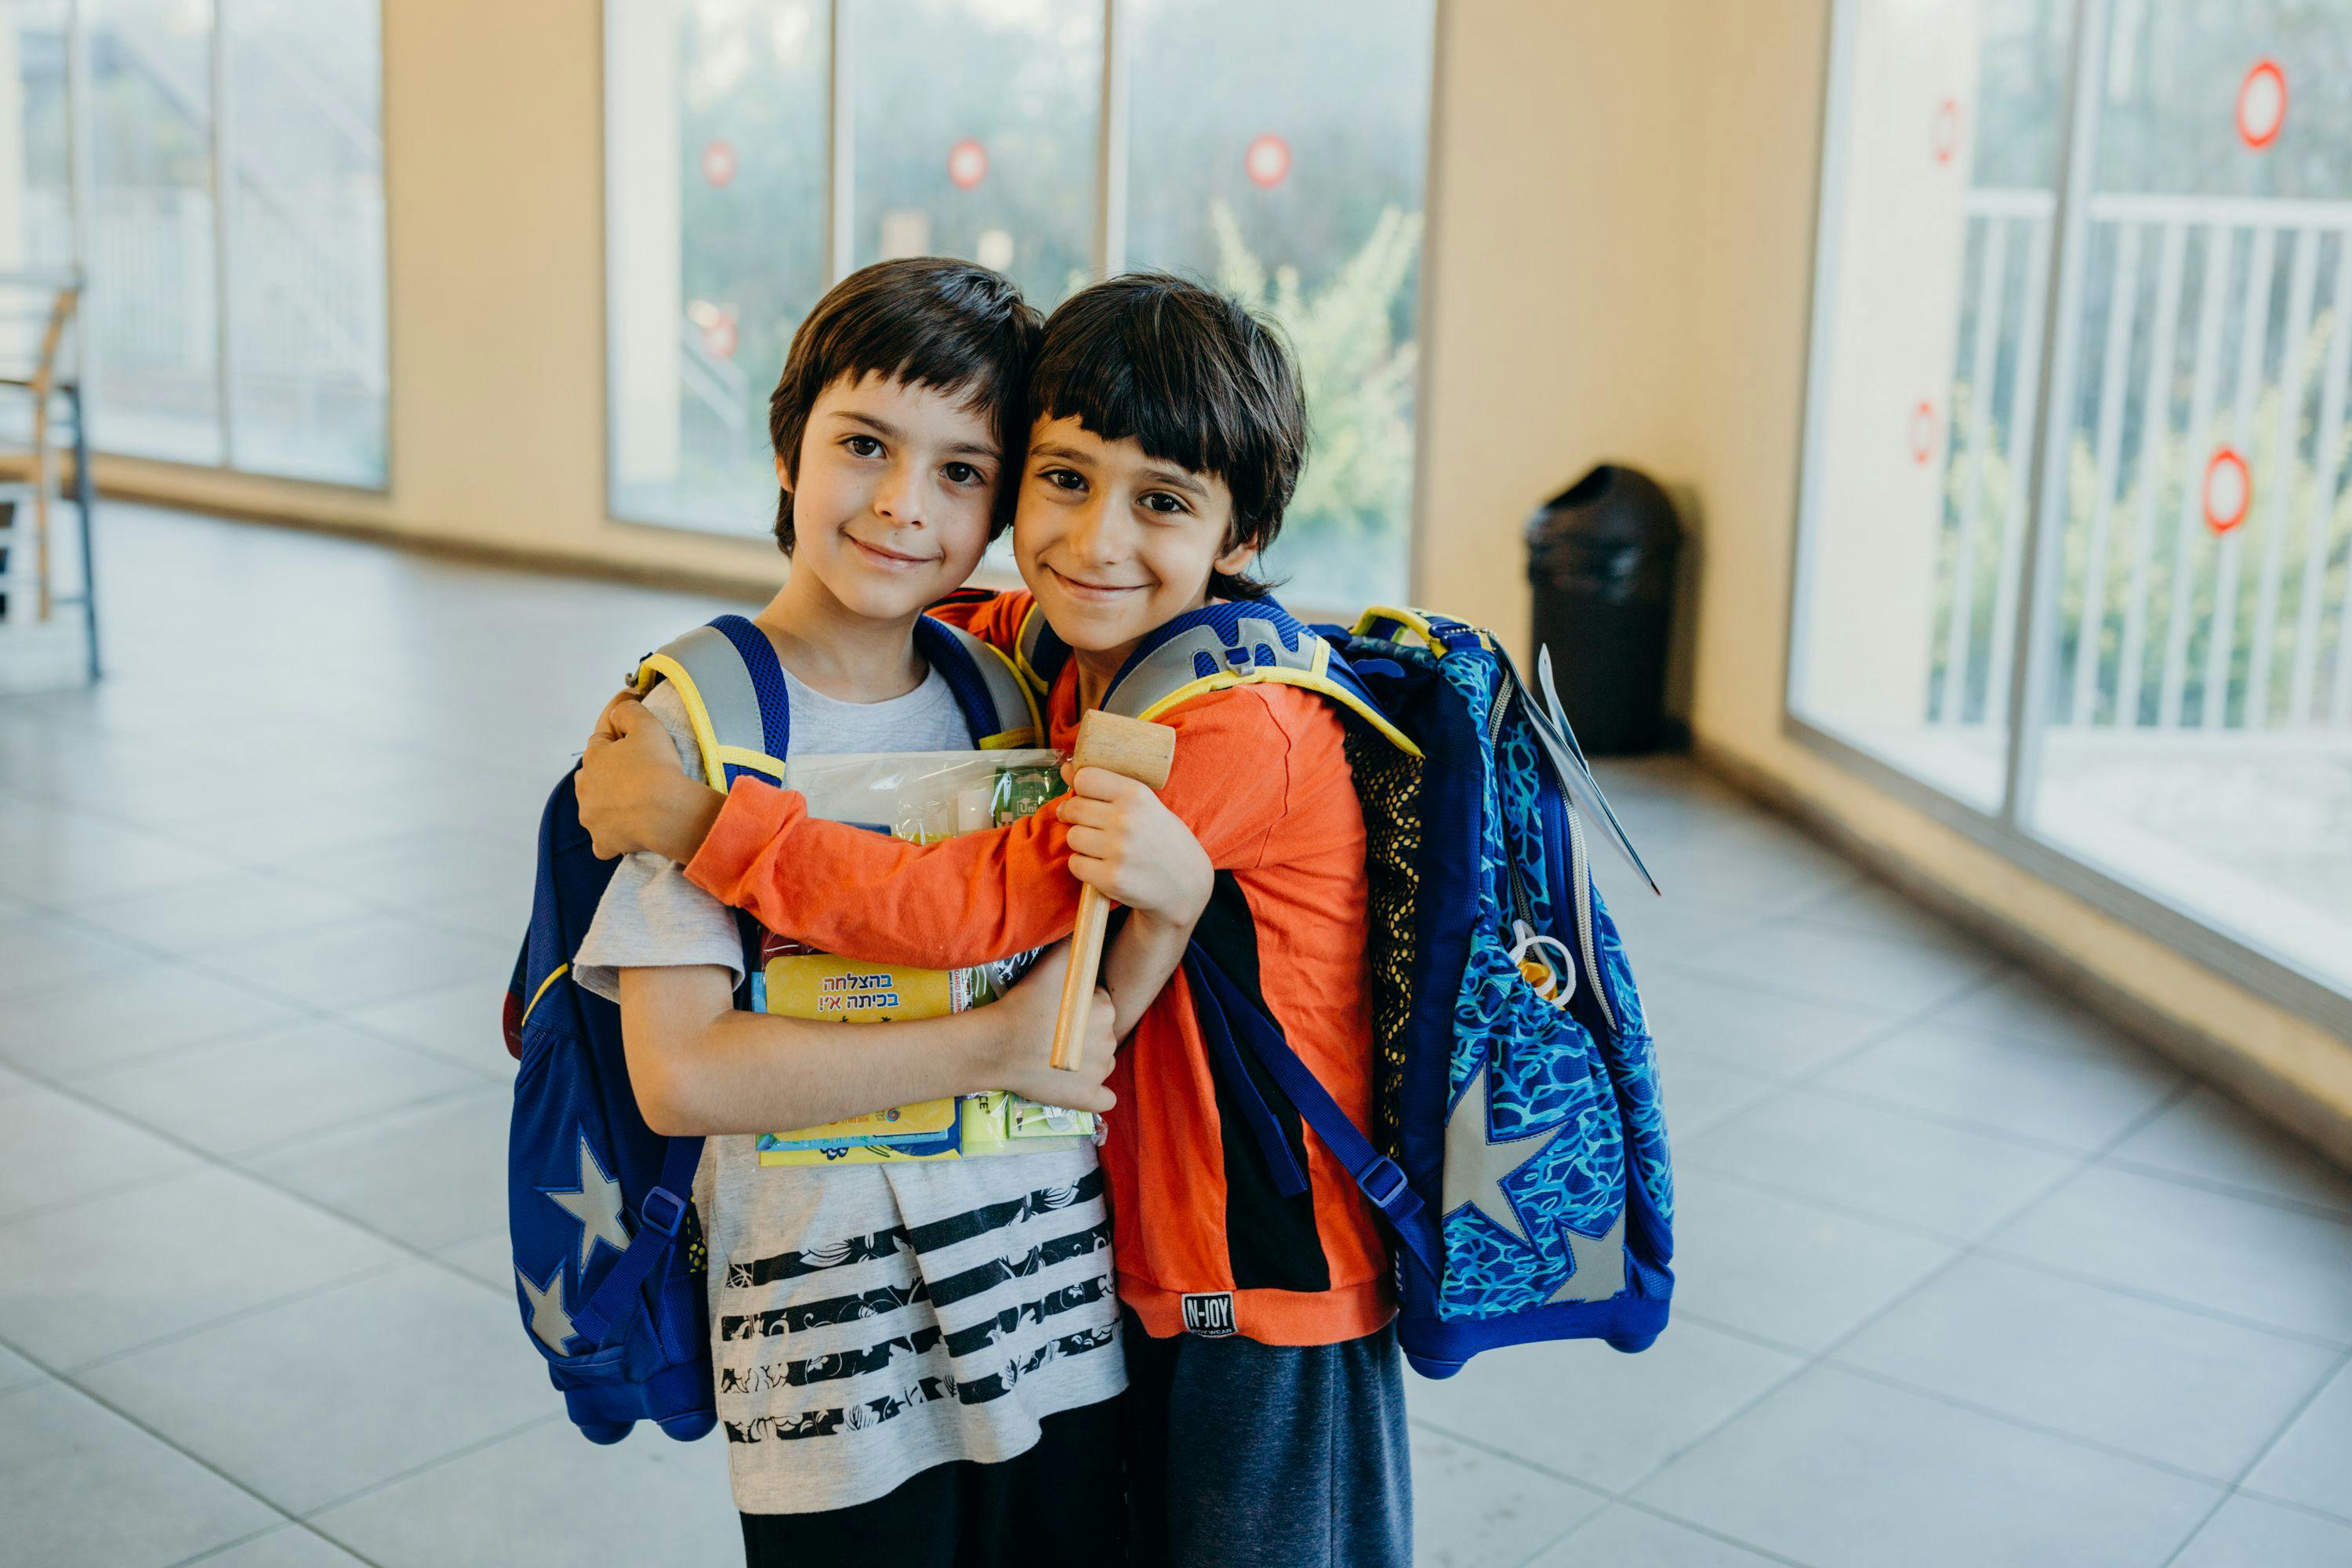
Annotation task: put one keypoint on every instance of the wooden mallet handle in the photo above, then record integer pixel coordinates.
(1139, 750)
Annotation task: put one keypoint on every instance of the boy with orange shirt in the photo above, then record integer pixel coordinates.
(1267, 1418)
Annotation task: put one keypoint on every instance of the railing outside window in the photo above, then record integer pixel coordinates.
(2076, 534)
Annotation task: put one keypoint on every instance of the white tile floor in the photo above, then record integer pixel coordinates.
(1965, 1278)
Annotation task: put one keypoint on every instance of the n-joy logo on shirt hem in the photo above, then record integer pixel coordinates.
(1210, 1316)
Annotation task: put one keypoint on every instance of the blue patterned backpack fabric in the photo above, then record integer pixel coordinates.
(609, 1259)
(1520, 1152)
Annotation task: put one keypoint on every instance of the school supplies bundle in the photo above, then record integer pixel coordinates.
(1519, 1153)
(920, 797)
(608, 1254)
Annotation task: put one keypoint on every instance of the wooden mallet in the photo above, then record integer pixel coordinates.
(1139, 750)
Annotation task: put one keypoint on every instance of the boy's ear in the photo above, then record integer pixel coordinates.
(1235, 560)
(783, 473)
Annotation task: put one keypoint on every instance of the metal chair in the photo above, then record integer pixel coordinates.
(29, 603)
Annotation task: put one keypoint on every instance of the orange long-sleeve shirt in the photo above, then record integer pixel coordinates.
(1261, 777)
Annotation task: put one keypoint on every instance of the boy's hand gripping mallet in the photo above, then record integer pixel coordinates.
(1138, 750)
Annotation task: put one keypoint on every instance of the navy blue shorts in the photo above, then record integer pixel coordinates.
(1241, 1454)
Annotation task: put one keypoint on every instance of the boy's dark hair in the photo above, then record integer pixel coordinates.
(925, 321)
(1195, 379)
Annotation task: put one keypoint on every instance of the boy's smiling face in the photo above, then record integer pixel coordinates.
(1114, 542)
(892, 501)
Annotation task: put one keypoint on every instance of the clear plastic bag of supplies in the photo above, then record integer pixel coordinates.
(922, 797)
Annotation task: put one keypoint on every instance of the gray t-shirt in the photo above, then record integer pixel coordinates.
(869, 1321)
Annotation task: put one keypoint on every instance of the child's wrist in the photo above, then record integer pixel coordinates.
(684, 819)
(992, 1048)
(1181, 916)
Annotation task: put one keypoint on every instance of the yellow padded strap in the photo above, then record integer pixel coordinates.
(1410, 620)
(661, 667)
(1029, 686)
(1313, 681)
(745, 757)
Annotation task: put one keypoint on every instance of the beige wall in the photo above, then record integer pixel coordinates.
(1622, 236)
(1555, 325)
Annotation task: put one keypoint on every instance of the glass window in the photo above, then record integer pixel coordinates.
(36, 233)
(307, 369)
(715, 159)
(1291, 174)
(301, 353)
(1934, 251)
(991, 158)
(2187, 665)
(154, 316)
(2197, 676)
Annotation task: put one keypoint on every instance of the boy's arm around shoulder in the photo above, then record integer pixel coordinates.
(994, 618)
(981, 896)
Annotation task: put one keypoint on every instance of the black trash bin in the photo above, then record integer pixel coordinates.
(1600, 558)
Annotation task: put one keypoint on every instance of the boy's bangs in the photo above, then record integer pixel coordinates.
(929, 321)
(1117, 396)
(953, 359)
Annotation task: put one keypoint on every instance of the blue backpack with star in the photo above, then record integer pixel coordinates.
(1519, 1154)
(609, 1257)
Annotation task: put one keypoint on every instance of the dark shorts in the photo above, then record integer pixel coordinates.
(1241, 1454)
(1059, 1502)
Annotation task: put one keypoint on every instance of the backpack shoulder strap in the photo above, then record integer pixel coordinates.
(997, 702)
(728, 675)
(1038, 651)
(1230, 1019)
(1243, 643)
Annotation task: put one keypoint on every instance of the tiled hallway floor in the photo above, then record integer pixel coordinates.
(1965, 1278)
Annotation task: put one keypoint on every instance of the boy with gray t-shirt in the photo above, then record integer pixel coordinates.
(869, 1322)
(915, 1362)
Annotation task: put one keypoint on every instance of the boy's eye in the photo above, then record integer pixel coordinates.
(1063, 479)
(961, 474)
(863, 445)
(1162, 502)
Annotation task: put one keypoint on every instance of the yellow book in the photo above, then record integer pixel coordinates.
(803, 984)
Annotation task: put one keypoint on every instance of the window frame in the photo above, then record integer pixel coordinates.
(82, 194)
(2006, 829)
(1110, 189)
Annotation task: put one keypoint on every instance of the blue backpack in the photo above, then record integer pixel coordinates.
(609, 1257)
(1520, 1150)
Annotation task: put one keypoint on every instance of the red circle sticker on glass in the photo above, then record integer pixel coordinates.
(1267, 160)
(718, 335)
(1943, 137)
(2228, 491)
(2261, 105)
(1923, 432)
(966, 163)
(718, 163)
